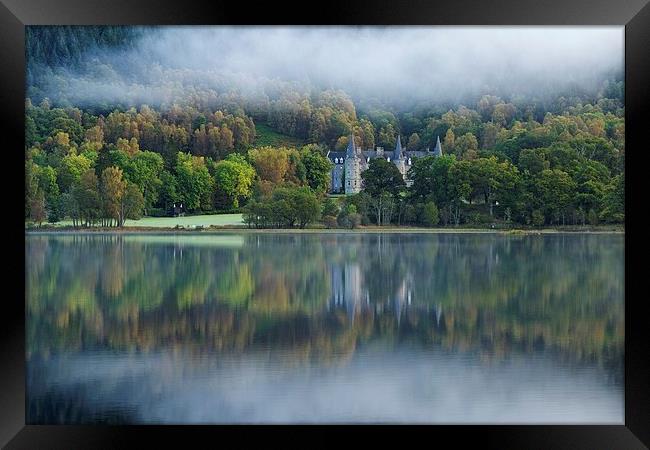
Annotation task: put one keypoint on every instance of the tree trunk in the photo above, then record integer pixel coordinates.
(489, 199)
(379, 208)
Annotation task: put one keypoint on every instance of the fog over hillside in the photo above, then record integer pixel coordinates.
(397, 65)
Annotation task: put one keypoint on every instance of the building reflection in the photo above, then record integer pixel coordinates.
(349, 293)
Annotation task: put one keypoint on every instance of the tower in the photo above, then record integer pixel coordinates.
(352, 168)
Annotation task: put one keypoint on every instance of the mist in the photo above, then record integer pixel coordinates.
(398, 65)
(401, 386)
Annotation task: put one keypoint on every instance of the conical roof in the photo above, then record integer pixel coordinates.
(437, 151)
(397, 154)
(351, 152)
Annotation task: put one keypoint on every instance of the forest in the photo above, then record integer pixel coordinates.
(508, 159)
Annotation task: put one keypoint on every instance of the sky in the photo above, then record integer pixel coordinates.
(393, 63)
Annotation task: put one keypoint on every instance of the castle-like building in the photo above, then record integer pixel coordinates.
(348, 165)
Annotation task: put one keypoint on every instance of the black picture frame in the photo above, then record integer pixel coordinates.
(15, 14)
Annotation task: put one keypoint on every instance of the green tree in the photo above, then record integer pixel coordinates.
(72, 166)
(614, 201)
(317, 169)
(234, 180)
(284, 207)
(47, 184)
(382, 176)
(195, 185)
(532, 161)
(430, 216)
(144, 170)
(330, 207)
(592, 179)
(555, 190)
(307, 206)
(168, 191)
(429, 176)
(31, 184)
(495, 181)
(132, 203)
(458, 188)
(86, 202)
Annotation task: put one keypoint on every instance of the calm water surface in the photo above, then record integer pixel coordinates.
(325, 328)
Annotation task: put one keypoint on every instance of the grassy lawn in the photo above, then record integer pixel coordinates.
(265, 135)
(186, 221)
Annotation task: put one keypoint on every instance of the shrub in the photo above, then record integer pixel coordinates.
(330, 221)
(353, 220)
(157, 212)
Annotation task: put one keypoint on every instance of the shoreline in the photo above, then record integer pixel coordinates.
(362, 230)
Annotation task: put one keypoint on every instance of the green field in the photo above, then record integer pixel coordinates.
(265, 135)
(186, 221)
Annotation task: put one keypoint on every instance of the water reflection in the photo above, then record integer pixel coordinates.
(460, 328)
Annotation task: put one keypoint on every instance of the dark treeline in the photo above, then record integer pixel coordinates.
(67, 45)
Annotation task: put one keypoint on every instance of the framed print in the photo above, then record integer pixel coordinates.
(394, 220)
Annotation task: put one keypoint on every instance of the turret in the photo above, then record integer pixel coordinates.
(397, 154)
(352, 168)
(351, 151)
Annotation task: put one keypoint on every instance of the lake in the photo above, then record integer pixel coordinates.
(324, 328)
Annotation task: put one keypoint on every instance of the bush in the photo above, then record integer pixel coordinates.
(353, 220)
(330, 221)
(157, 212)
(538, 218)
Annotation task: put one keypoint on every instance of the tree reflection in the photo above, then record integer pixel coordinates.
(321, 296)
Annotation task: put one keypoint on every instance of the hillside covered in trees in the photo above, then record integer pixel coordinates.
(107, 140)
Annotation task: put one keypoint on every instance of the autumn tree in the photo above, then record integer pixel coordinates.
(37, 208)
(112, 189)
(271, 164)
